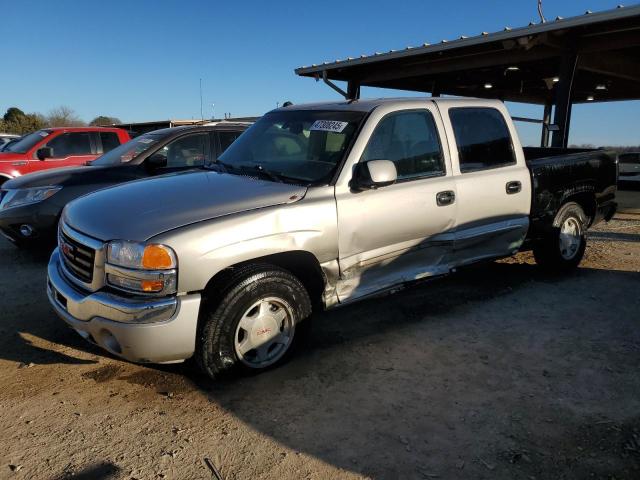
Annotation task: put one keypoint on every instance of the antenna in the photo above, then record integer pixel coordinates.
(201, 114)
(542, 19)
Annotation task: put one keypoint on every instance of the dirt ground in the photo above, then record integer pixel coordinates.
(497, 372)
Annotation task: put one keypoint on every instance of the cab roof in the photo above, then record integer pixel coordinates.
(367, 105)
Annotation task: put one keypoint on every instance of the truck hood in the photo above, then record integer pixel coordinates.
(142, 209)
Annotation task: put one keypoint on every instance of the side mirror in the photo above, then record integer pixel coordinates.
(44, 153)
(155, 161)
(374, 174)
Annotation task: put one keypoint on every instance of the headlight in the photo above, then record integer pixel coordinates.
(141, 255)
(141, 267)
(25, 196)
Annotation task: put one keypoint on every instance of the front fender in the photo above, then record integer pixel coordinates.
(206, 248)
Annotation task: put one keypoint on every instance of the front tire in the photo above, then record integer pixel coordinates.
(250, 323)
(564, 247)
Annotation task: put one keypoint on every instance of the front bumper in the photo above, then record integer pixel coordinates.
(42, 217)
(143, 330)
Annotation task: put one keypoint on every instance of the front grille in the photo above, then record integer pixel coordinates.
(78, 258)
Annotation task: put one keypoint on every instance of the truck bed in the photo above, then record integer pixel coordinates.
(586, 176)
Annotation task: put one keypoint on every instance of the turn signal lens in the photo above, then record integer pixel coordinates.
(157, 257)
(151, 285)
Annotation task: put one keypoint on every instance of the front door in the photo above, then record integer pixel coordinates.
(70, 148)
(404, 231)
(185, 152)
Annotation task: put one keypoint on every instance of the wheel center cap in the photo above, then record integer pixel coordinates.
(265, 329)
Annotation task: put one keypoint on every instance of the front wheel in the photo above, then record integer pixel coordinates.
(250, 323)
(564, 247)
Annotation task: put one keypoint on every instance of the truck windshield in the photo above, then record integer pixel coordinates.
(26, 143)
(297, 146)
(128, 151)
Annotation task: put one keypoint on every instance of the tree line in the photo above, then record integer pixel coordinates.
(18, 122)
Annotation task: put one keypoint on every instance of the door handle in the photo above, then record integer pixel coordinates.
(513, 187)
(445, 198)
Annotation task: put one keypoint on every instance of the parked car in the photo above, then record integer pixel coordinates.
(58, 147)
(9, 143)
(629, 167)
(315, 206)
(5, 138)
(30, 206)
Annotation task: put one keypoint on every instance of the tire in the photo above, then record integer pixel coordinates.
(258, 306)
(564, 247)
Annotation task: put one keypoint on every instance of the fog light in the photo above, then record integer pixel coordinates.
(26, 230)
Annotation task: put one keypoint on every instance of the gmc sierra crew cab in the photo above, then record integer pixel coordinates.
(315, 206)
(57, 147)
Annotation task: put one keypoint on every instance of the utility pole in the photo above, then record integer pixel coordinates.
(201, 113)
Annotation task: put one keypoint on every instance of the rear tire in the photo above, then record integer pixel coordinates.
(249, 324)
(564, 247)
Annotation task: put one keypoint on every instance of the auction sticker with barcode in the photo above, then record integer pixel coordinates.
(328, 126)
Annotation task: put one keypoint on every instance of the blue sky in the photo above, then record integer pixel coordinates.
(142, 60)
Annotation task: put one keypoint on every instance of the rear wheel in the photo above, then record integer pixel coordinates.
(565, 246)
(250, 323)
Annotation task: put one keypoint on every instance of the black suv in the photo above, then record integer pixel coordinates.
(30, 206)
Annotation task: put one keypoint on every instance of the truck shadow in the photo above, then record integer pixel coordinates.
(615, 236)
(417, 384)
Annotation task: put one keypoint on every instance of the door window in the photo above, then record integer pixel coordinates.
(483, 138)
(73, 143)
(189, 151)
(410, 140)
(226, 139)
(110, 141)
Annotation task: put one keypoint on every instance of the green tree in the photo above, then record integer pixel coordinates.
(16, 121)
(13, 114)
(103, 120)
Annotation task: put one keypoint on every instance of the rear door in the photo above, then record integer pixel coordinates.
(69, 148)
(493, 188)
(400, 232)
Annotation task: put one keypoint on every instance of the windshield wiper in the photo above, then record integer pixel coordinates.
(217, 166)
(252, 170)
(268, 174)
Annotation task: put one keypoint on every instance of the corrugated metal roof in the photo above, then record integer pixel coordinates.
(588, 18)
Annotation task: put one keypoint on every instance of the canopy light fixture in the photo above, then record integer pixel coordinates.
(590, 98)
(488, 86)
(556, 79)
(601, 87)
(513, 68)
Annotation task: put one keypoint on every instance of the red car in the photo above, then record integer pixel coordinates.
(58, 147)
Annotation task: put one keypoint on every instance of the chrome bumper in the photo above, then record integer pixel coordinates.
(146, 330)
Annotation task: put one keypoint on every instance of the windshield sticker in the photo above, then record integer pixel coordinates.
(328, 126)
(146, 140)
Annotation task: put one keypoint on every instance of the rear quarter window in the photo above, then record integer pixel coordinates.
(482, 137)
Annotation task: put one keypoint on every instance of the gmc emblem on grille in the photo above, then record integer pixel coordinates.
(67, 248)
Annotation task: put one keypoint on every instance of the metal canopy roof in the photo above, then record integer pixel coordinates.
(599, 51)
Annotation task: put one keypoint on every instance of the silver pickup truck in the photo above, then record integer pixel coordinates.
(313, 207)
